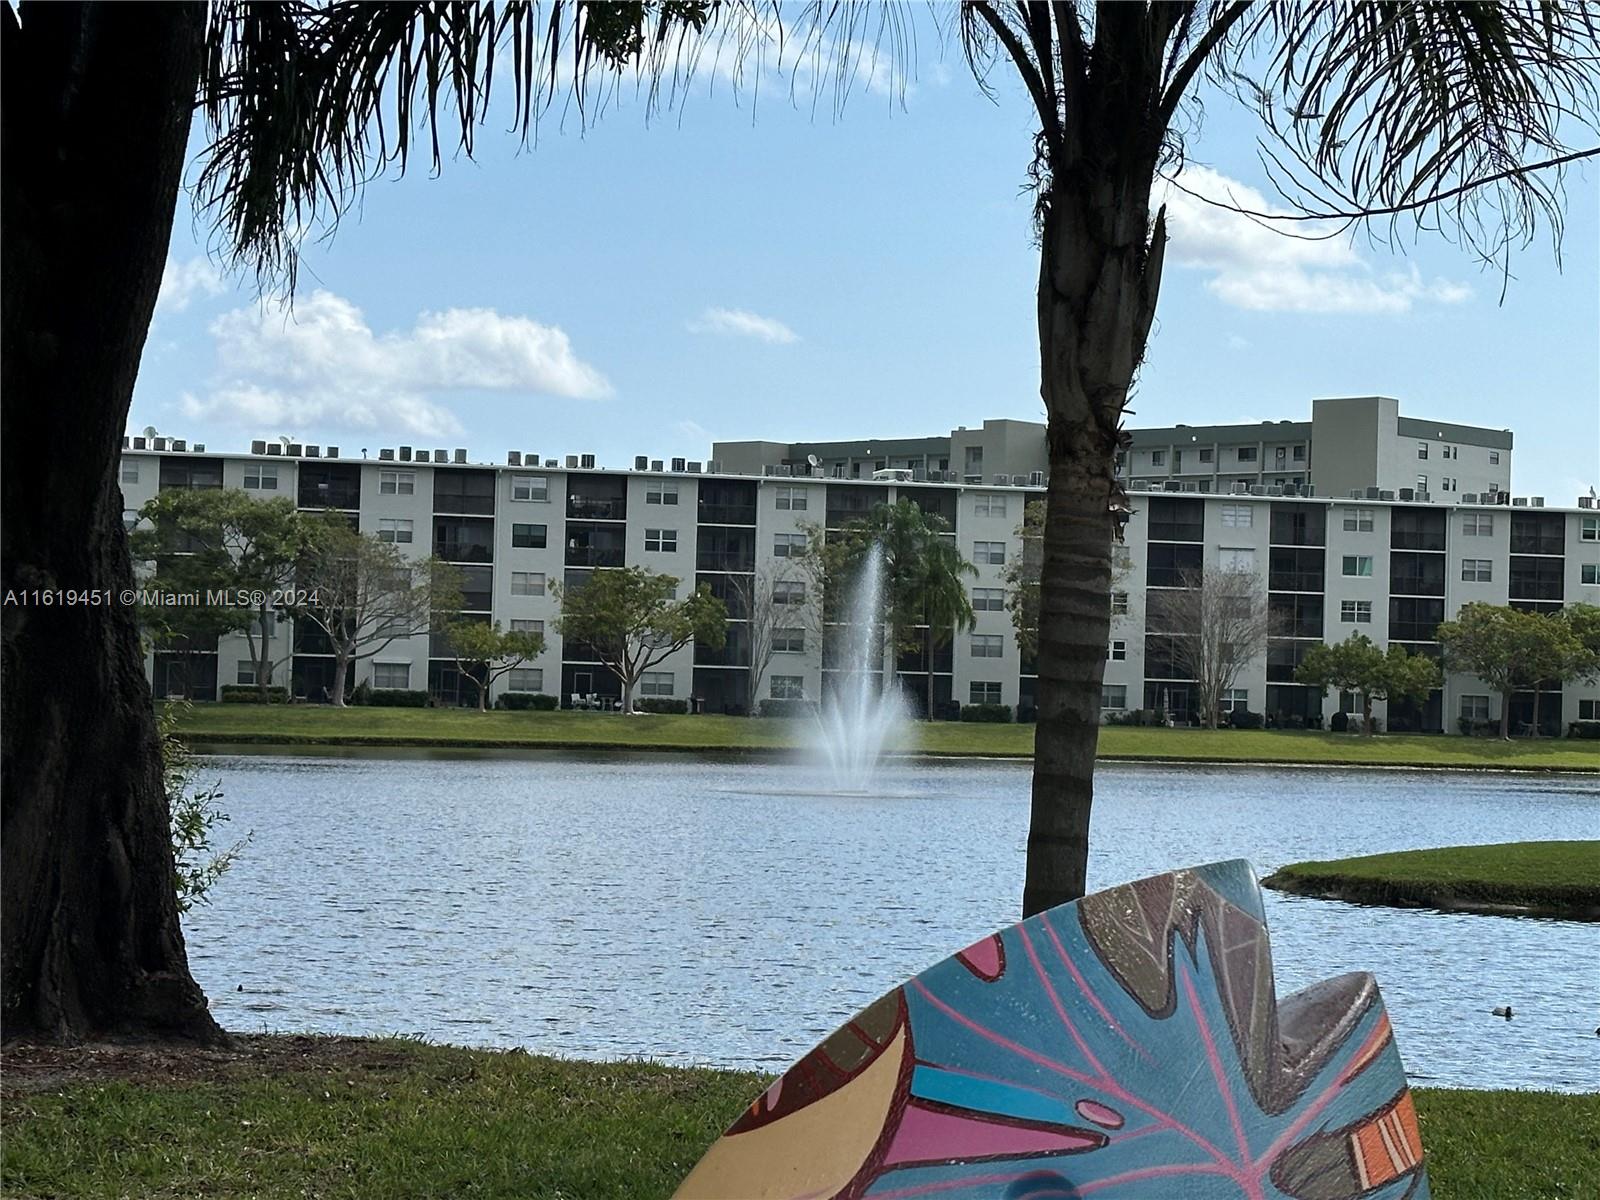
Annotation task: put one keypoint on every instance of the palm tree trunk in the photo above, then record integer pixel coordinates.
(96, 106)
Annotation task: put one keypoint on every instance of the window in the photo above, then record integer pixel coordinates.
(525, 679)
(1474, 708)
(1113, 696)
(1477, 524)
(986, 504)
(261, 477)
(1422, 450)
(993, 553)
(1477, 570)
(1299, 454)
(1591, 529)
(663, 540)
(1447, 483)
(527, 583)
(397, 483)
(656, 683)
(792, 499)
(394, 529)
(988, 599)
(985, 692)
(1247, 453)
(665, 491)
(130, 472)
(520, 625)
(788, 545)
(1589, 710)
(788, 687)
(789, 641)
(788, 591)
(1358, 565)
(1207, 454)
(1118, 651)
(1591, 574)
(1119, 604)
(531, 487)
(1158, 458)
(1494, 459)
(1230, 558)
(1355, 612)
(988, 645)
(1234, 700)
(246, 671)
(1422, 483)
(391, 675)
(1358, 520)
(1237, 516)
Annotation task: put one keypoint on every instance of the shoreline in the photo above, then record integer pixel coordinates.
(208, 742)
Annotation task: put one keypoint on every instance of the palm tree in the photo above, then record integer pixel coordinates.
(1456, 116)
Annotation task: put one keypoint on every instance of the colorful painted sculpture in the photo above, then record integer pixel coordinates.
(1127, 1046)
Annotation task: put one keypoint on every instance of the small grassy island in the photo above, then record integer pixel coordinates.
(289, 1117)
(1559, 879)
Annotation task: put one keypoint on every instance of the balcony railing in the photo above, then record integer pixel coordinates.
(1295, 581)
(590, 508)
(595, 556)
(463, 552)
(727, 514)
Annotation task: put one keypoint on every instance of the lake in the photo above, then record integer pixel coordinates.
(707, 911)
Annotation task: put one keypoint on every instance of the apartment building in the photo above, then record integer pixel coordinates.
(1388, 562)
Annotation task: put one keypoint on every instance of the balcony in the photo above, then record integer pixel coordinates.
(727, 514)
(595, 556)
(463, 551)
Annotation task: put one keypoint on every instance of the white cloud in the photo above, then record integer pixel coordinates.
(736, 322)
(183, 282)
(1261, 269)
(322, 365)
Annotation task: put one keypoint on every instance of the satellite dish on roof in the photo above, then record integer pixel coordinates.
(813, 461)
(150, 431)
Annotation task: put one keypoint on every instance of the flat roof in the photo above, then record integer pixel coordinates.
(1475, 435)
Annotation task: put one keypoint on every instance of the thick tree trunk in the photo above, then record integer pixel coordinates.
(341, 672)
(1534, 730)
(1505, 716)
(96, 108)
(627, 697)
(1366, 715)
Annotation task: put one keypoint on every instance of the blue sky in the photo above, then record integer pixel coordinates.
(643, 287)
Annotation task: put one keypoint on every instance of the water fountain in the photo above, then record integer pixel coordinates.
(858, 722)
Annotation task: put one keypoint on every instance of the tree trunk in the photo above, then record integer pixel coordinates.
(627, 697)
(1505, 715)
(1366, 715)
(264, 662)
(1534, 729)
(927, 642)
(96, 108)
(341, 672)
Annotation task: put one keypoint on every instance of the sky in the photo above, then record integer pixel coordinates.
(761, 269)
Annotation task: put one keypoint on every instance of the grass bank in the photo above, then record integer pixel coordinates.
(282, 1117)
(1545, 878)
(313, 725)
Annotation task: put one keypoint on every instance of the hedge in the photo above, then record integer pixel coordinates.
(994, 714)
(398, 698)
(1589, 730)
(660, 704)
(519, 701)
(787, 708)
(248, 693)
(1241, 718)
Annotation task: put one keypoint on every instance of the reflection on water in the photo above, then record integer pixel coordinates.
(697, 911)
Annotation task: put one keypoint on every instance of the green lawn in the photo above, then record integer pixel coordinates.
(1559, 877)
(345, 1119)
(313, 725)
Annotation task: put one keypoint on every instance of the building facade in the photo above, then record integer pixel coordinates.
(1389, 562)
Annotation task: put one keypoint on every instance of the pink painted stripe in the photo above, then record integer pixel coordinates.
(931, 1136)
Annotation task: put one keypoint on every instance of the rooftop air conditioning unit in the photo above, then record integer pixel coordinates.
(935, 475)
(274, 447)
(785, 470)
(1000, 480)
(1424, 497)
(1308, 489)
(919, 474)
(678, 464)
(1586, 502)
(819, 472)
(1238, 489)
(1408, 494)
(256, 447)
(385, 455)
(159, 443)
(1191, 487)
(1139, 485)
(126, 441)
(1519, 502)
(313, 451)
(657, 465)
(572, 462)
(1502, 497)
(1019, 481)
(1469, 498)
(551, 462)
(405, 453)
(1171, 485)
(1385, 494)
(1036, 479)
(513, 458)
(422, 456)
(1258, 489)
(694, 467)
(769, 469)
(293, 450)
(138, 443)
(714, 467)
(1535, 501)
(199, 447)
(586, 461)
(1357, 494)
(1373, 493)
(641, 462)
(179, 444)
(1275, 489)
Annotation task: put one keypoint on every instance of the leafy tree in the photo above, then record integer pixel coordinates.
(1357, 665)
(1511, 650)
(1021, 576)
(225, 539)
(1555, 654)
(632, 619)
(195, 816)
(1218, 621)
(363, 594)
(484, 652)
(755, 599)
(925, 598)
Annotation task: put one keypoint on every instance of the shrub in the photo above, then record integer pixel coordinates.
(1339, 722)
(1027, 714)
(787, 708)
(248, 693)
(1589, 730)
(362, 694)
(995, 714)
(397, 698)
(661, 704)
(196, 860)
(1377, 725)
(1241, 718)
(522, 701)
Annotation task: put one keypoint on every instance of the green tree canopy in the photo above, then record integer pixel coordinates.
(484, 652)
(632, 619)
(1358, 665)
(1512, 650)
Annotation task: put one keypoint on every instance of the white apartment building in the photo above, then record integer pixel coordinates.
(1385, 560)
